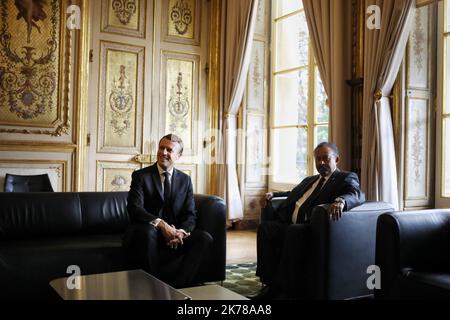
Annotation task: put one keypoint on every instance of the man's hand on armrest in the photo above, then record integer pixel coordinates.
(265, 199)
(336, 208)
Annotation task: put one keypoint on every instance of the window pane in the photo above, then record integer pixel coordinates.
(322, 110)
(292, 42)
(291, 98)
(287, 6)
(321, 134)
(289, 155)
(446, 153)
(447, 76)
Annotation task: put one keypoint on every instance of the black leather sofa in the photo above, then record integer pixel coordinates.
(413, 253)
(341, 251)
(41, 234)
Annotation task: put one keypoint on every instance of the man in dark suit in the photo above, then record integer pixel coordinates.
(279, 241)
(162, 234)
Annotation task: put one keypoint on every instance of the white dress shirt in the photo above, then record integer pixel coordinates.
(306, 195)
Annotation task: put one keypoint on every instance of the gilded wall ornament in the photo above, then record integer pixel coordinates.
(124, 10)
(181, 16)
(28, 79)
(418, 146)
(121, 102)
(179, 104)
(118, 182)
(418, 37)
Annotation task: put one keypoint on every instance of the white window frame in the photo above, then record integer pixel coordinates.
(311, 124)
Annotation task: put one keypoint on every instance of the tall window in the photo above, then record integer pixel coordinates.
(299, 113)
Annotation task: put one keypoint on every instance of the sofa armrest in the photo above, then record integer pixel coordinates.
(211, 217)
(344, 249)
(268, 213)
(411, 240)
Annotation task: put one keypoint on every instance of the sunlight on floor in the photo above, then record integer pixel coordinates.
(241, 246)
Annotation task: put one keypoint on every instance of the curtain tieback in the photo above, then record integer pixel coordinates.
(229, 115)
(378, 95)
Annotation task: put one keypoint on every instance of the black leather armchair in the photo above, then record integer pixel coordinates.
(32, 183)
(413, 253)
(341, 251)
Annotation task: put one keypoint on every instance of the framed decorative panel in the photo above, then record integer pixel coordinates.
(251, 205)
(36, 61)
(179, 97)
(418, 50)
(260, 27)
(256, 77)
(254, 160)
(416, 172)
(115, 176)
(125, 17)
(120, 98)
(190, 170)
(56, 170)
(181, 21)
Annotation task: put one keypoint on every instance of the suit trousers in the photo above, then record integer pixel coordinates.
(177, 267)
(283, 257)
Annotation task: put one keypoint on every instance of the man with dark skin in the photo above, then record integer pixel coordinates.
(280, 240)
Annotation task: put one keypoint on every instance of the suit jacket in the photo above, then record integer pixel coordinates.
(146, 199)
(340, 184)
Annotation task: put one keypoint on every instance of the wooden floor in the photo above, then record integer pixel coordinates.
(241, 246)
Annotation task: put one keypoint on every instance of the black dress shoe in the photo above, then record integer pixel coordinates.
(266, 293)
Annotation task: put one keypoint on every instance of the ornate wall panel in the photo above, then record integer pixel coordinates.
(256, 142)
(56, 171)
(125, 17)
(190, 170)
(180, 97)
(36, 60)
(417, 146)
(418, 116)
(260, 27)
(251, 205)
(181, 21)
(418, 55)
(56, 163)
(120, 100)
(255, 79)
(114, 176)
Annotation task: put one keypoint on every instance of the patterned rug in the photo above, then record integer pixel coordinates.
(241, 279)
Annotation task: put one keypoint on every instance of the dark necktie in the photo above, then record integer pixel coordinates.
(166, 186)
(167, 210)
(305, 207)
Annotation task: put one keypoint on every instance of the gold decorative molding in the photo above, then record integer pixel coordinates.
(81, 100)
(143, 158)
(181, 20)
(214, 81)
(124, 17)
(180, 86)
(36, 147)
(61, 125)
(114, 175)
(113, 57)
